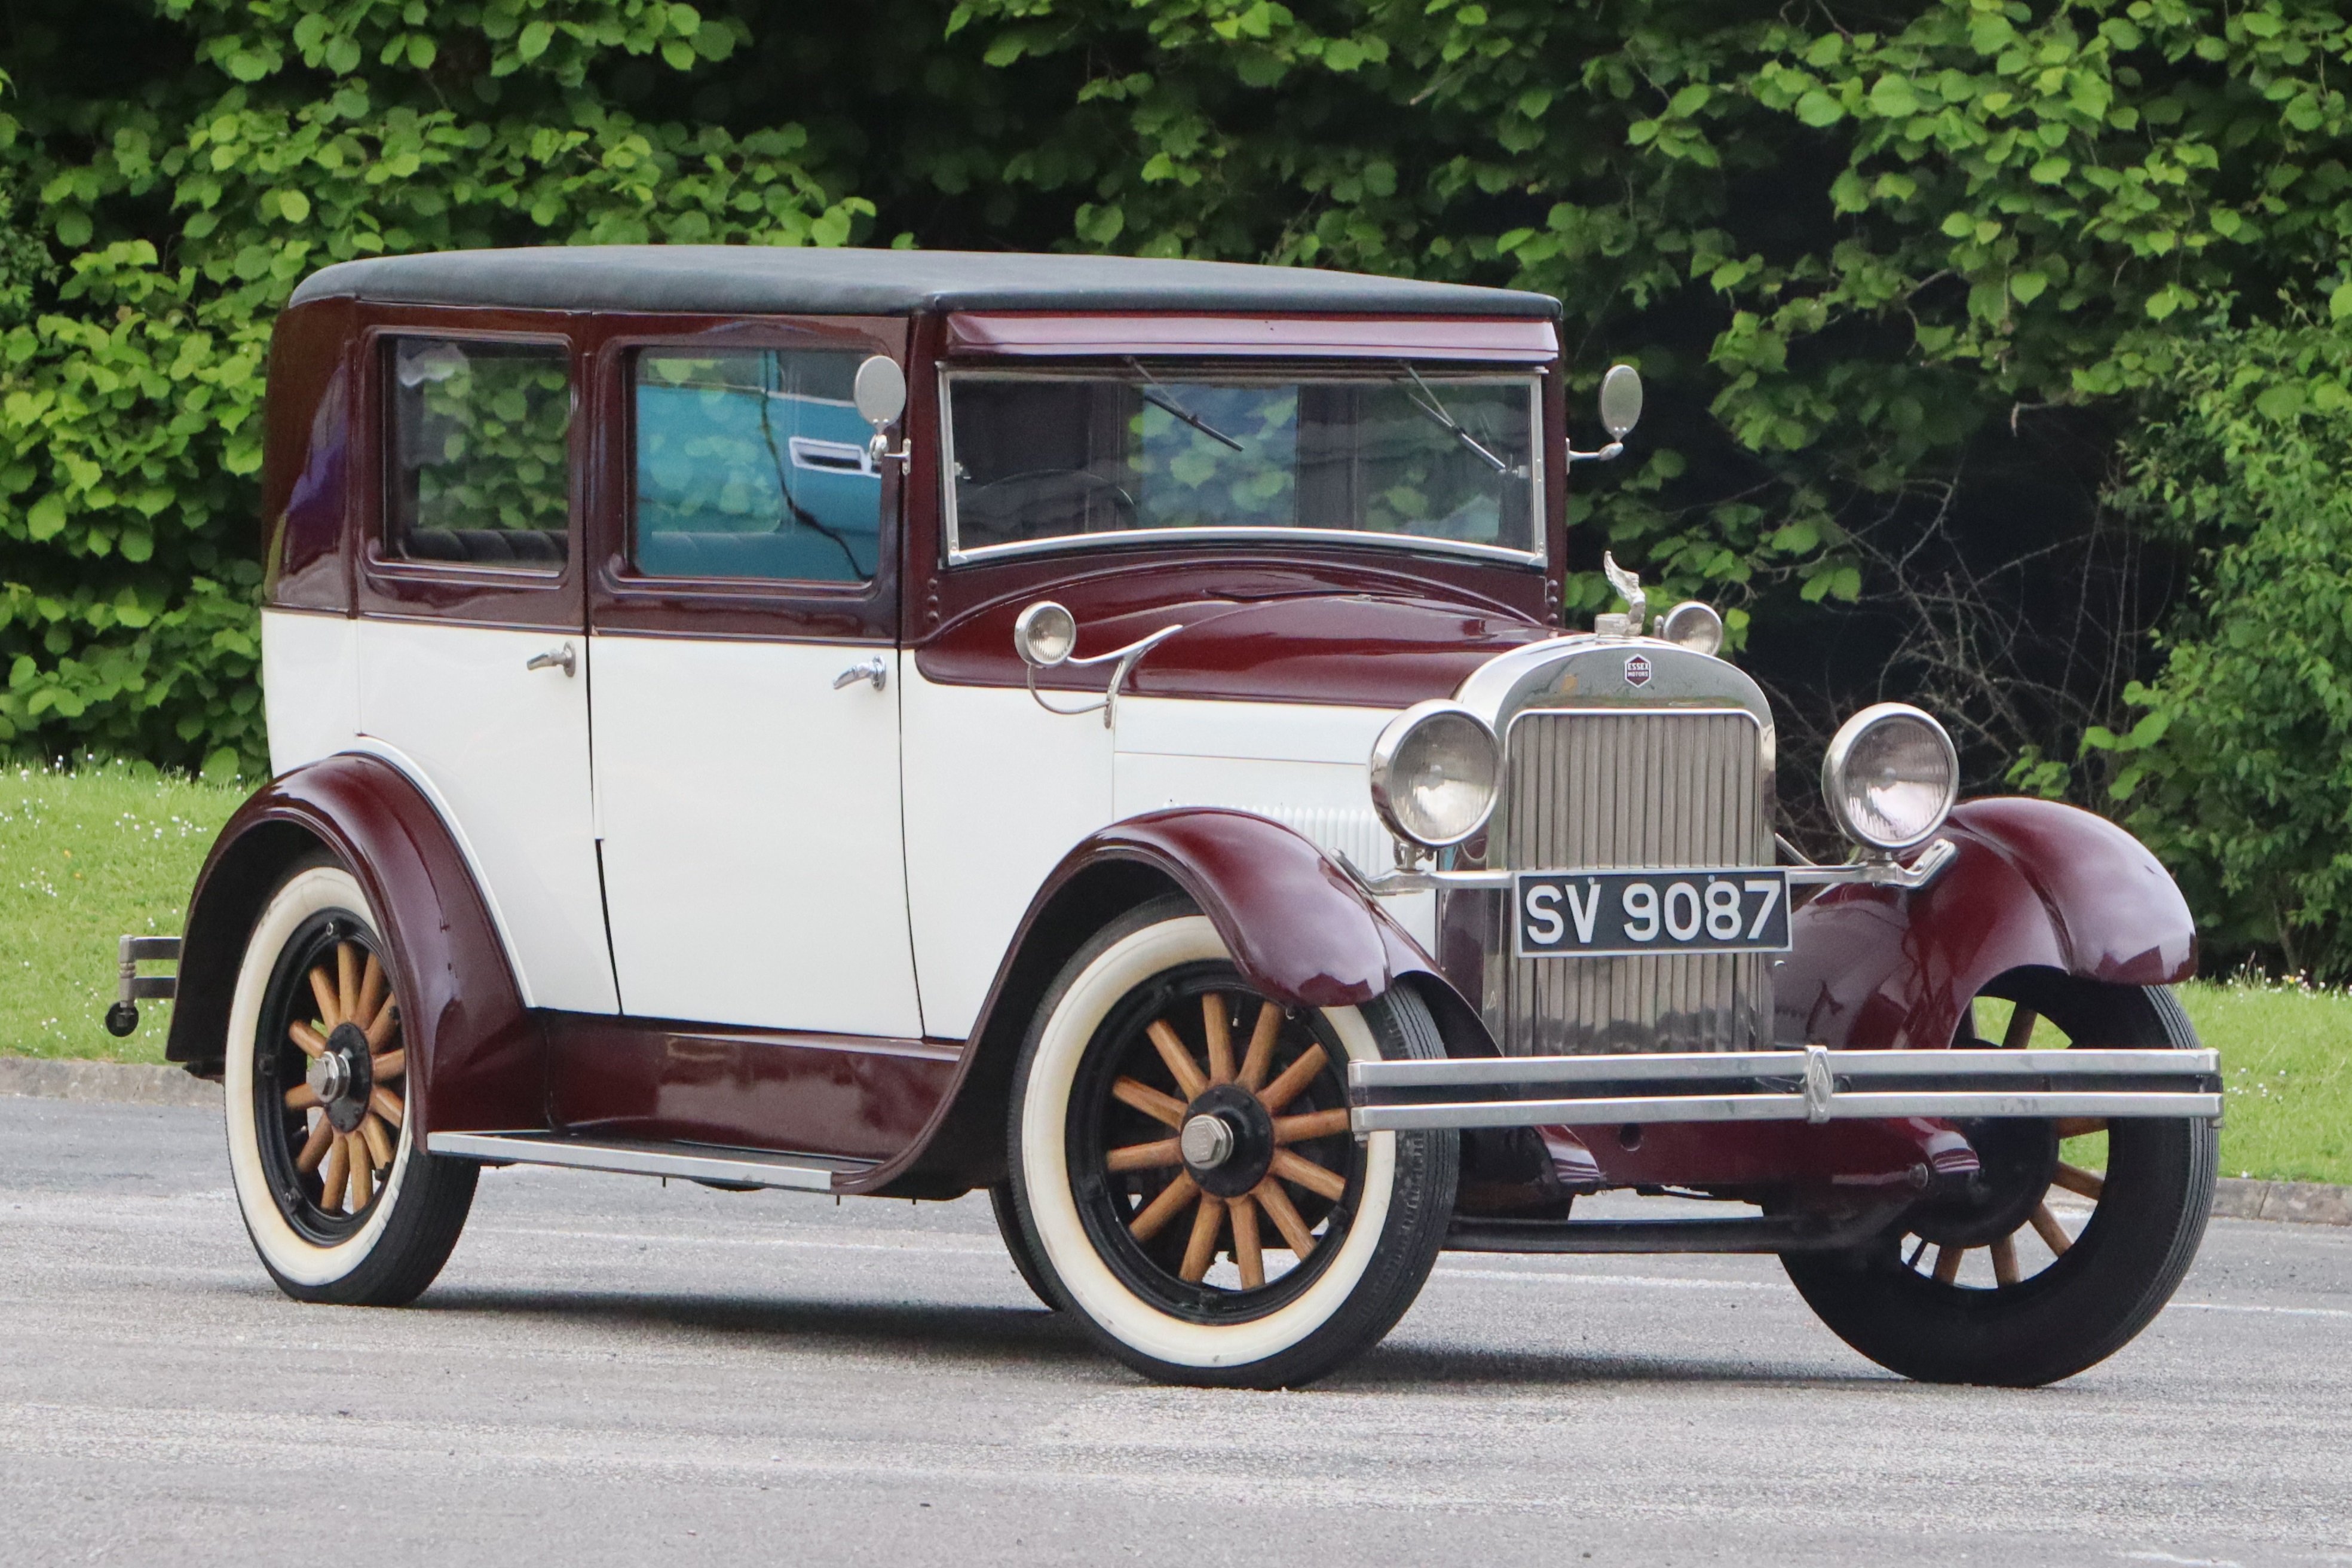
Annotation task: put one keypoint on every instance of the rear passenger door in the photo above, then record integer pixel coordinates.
(749, 795)
(473, 657)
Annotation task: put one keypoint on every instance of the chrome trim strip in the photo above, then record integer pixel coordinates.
(635, 1159)
(1872, 873)
(957, 556)
(1814, 1084)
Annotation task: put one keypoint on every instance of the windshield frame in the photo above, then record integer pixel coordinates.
(1436, 374)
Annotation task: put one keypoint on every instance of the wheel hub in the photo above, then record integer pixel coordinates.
(1227, 1139)
(2018, 1156)
(343, 1077)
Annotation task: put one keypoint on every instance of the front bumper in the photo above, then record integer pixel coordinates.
(1813, 1084)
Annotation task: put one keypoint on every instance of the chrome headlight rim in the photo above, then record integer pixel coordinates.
(1391, 741)
(1839, 756)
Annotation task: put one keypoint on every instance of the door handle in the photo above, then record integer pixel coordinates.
(565, 658)
(872, 669)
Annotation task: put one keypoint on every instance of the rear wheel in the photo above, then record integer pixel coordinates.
(340, 1200)
(1183, 1172)
(2016, 1285)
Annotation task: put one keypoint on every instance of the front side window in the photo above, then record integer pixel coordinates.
(752, 464)
(1399, 454)
(478, 452)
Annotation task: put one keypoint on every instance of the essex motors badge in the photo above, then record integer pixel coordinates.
(1637, 669)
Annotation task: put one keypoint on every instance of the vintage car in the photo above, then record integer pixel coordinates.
(1105, 730)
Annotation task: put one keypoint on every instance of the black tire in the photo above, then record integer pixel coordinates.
(375, 1237)
(1363, 1220)
(2088, 1301)
(1016, 1242)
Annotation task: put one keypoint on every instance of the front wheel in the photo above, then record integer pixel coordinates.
(340, 1199)
(1997, 1288)
(1183, 1172)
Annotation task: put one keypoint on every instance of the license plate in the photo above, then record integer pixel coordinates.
(1613, 914)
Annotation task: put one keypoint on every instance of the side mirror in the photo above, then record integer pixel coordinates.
(1045, 634)
(880, 393)
(1620, 401)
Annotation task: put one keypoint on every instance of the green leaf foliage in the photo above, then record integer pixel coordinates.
(158, 205)
(2239, 769)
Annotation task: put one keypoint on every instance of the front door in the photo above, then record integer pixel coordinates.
(746, 753)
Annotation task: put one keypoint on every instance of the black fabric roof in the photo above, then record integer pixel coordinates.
(725, 279)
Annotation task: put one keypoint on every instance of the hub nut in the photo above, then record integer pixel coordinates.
(330, 1076)
(1206, 1142)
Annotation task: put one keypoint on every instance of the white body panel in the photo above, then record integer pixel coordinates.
(998, 790)
(311, 682)
(753, 856)
(1303, 765)
(505, 751)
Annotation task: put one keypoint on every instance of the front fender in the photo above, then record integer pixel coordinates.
(2036, 885)
(1300, 931)
(477, 1060)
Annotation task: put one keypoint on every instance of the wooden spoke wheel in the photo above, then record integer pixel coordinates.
(2073, 1237)
(1184, 1171)
(340, 1203)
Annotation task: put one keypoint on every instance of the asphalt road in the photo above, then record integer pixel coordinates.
(613, 1370)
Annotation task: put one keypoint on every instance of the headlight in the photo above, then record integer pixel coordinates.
(1891, 777)
(1433, 771)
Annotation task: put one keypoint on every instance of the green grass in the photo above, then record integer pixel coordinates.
(87, 856)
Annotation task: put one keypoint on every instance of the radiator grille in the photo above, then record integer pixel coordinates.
(1603, 787)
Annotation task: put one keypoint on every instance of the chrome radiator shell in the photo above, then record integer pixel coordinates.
(1611, 788)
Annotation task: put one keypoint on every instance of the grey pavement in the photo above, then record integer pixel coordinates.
(613, 1371)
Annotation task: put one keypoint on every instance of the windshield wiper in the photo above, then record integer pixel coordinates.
(1170, 406)
(1437, 411)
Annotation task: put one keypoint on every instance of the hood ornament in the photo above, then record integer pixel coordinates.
(1629, 588)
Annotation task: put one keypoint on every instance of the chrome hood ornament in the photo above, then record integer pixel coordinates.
(1629, 588)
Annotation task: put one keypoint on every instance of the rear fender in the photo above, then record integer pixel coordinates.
(1300, 933)
(477, 1057)
(2036, 885)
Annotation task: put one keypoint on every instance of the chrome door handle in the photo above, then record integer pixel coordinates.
(872, 669)
(565, 658)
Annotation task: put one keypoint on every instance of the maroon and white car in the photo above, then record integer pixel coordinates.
(1103, 730)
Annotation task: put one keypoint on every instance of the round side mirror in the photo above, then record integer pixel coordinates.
(880, 391)
(1044, 635)
(1621, 400)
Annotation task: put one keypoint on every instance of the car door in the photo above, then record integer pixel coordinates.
(746, 697)
(472, 659)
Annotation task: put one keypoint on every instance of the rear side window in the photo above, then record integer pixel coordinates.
(752, 464)
(478, 452)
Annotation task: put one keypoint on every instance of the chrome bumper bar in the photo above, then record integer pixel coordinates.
(1888, 873)
(1814, 1084)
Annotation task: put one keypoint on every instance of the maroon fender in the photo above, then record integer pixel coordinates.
(1299, 931)
(477, 1057)
(2035, 884)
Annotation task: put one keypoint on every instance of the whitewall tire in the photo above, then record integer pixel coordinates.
(1183, 1169)
(342, 1204)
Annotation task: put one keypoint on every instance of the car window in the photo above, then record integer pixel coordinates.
(477, 466)
(1397, 454)
(752, 464)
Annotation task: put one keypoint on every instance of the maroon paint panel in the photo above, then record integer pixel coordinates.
(1517, 341)
(475, 1054)
(2035, 884)
(813, 1094)
(1862, 1155)
(307, 457)
(1292, 639)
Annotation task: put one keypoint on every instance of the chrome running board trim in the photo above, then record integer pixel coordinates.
(725, 1167)
(1814, 1084)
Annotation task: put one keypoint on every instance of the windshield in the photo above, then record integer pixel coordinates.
(1400, 454)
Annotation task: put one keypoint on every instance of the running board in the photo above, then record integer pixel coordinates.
(715, 1166)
